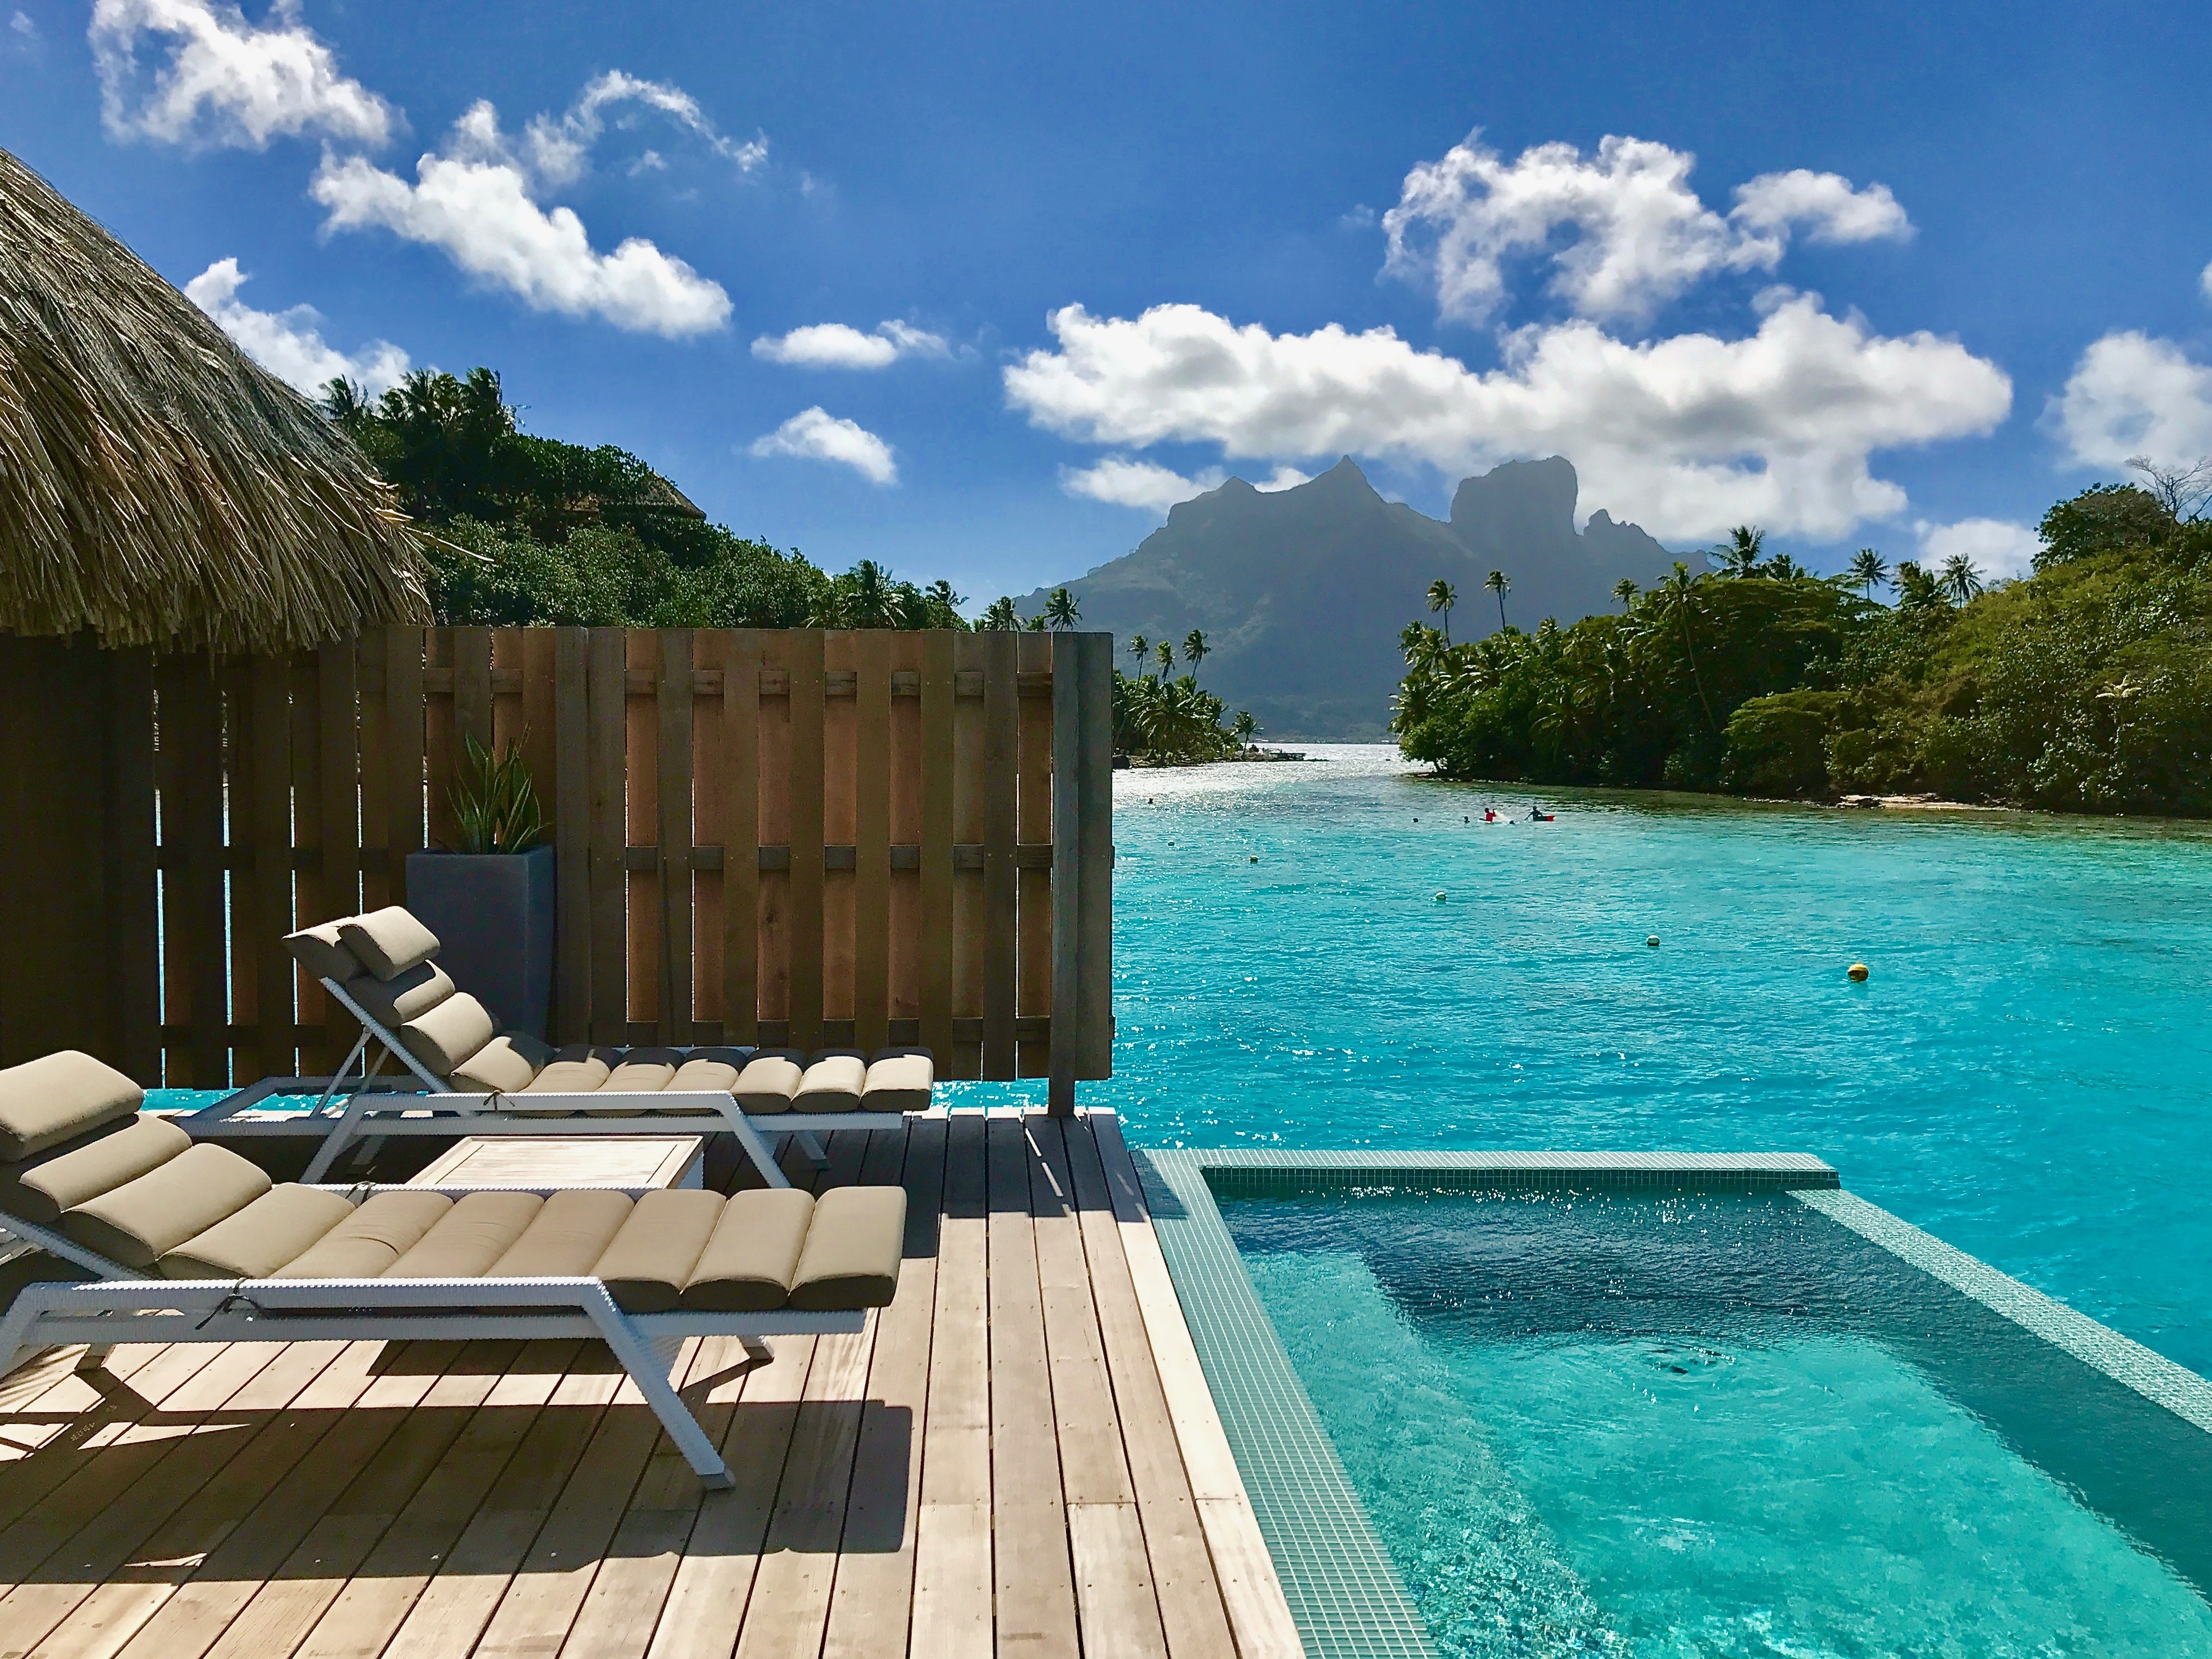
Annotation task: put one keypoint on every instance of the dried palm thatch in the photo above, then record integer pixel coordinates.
(156, 486)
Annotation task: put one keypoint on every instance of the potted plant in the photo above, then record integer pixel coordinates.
(490, 899)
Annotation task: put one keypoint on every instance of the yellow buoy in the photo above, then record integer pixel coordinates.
(1857, 970)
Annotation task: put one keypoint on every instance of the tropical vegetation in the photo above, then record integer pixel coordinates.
(522, 529)
(1173, 722)
(2085, 686)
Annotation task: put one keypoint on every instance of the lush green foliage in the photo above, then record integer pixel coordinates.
(1173, 722)
(2086, 687)
(524, 529)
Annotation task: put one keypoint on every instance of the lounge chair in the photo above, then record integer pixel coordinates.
(469, 1076)
(149, 1237)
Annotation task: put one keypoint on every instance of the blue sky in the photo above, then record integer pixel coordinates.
(1879, 275)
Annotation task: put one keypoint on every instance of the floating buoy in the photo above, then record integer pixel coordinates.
(1440, 898)
(1255, 858)
(1857, 970)
(1653, 941)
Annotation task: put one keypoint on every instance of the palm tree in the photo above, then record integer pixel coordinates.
(1960, 579)
(1625, 591)
(1194, 649)
(1141, 649)
(1060, 609)
(868, 603)
(1679, 587)
(1496, 581)
(1869, 571)
(1000, 617)
(1740, 553)
(1164, 653)
(1244, 727)
(1443, 596)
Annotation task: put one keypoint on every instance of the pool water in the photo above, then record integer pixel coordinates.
(2024, 1074)
(1722, 1427)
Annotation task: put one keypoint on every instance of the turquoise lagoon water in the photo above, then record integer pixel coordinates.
(1716, 1426)
(2028, 1074)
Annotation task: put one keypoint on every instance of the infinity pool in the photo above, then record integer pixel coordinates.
(1722, 1427)
(2024, 1074)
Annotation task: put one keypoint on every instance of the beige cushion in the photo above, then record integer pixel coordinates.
(384, 1228)
(142, 1220)
(704, 1076)
(853, 1251)
(478, 1230)
(747, 1265)
(389, 941)
(322, 953)
(767, 1084)
(456, 1029)
(832, 1083)
(651, 1259)
(40, 1192)
(569, 1077)
(638, 1077)
(568, 1238)
(498, 1067)
(278, 1227)
(404, 997)
(58, 1097)
(899, 1082)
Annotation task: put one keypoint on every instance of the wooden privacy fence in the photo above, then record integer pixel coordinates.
(799, 838)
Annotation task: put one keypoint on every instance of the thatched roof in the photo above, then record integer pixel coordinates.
(156, 486)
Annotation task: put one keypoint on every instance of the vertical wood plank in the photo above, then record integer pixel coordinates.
(134, 918)
(241, 964)
(871, 836)
(741, 759)
(1033, 827)
(369, 663)
(1000, 783)
(934, 946)
(710, 827)
(441, 741)
(571, 798)
(403, 754)
(806, 667)
(641, 828)
(337, 741)
(472, 651)
(672, 783)
(270, 908)
(307, 840)
(604, 750)
(1082, 864)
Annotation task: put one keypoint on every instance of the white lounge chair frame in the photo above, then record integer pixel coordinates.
(123, 1305)
(372, 1112)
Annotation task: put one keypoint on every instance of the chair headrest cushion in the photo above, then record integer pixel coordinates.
(58, 1097)
(389, 941)
(323, 953)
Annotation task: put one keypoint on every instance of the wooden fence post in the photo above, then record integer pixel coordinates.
(1082, 864)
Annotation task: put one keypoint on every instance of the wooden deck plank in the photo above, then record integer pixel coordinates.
(1258, 1616)
(1195, 1619)
(871, 1606)
(202, 1592)
(46, 1402)
(408, 1418)
(952, 1546)
(1035, 1573)
(384, 1586)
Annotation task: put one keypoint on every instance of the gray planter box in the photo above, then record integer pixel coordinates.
(493, 914)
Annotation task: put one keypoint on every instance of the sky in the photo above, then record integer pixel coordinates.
(979, 291)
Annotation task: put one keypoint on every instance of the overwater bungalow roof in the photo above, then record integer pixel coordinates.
(156, 487)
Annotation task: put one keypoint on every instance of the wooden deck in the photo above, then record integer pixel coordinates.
(1017, 1456)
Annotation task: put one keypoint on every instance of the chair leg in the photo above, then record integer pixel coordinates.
(756, 1148)
(94, 1357)
(635, 1355)
(812, 1149)
(756, 1349)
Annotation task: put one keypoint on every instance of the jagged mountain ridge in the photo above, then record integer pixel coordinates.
(1302, 593)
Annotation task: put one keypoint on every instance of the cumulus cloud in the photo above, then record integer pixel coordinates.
(2134, 394)
(2000, 548)
(290, 345)
(23, 24)
(217, 79)
(1121, 481)
(559, 148)
(816, 434)
(474, 201)
(837, 346)
(1687, 435)
(1639, 233)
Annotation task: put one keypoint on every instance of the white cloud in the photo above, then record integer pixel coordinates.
(21, 23)
(2133, 394)
(817, 434)
(474, 201)
(1641, 234)
(1687, 436)
(837, 346)
(226, 80)
(2203, 278)
(559, 150)
(1122, 482)
(1999, 550)
(290, 345)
